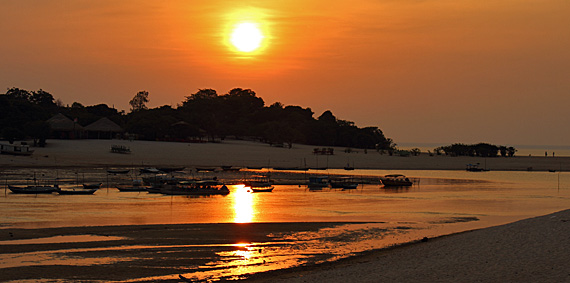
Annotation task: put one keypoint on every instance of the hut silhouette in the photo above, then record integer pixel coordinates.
(103, 129)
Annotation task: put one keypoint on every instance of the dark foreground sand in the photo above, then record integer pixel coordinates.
(530, 250)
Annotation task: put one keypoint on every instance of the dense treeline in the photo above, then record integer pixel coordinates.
(480, 150)
(203, 115)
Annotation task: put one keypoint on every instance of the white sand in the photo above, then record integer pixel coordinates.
(89, 153)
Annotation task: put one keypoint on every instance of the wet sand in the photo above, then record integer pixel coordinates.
(530, 250)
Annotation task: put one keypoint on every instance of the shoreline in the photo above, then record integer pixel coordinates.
(528, 250)
(238, 153)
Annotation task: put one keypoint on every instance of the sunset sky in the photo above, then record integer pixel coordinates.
(422, 71)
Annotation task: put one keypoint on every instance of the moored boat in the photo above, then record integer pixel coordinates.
(78, 191)
(396, 180)
(318, 182)
(32, 189)
(196, 188)
(261, 190)
(345, 183)
(135, 186)
(118, 171)
(92, 186)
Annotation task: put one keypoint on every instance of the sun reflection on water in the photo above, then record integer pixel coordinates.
(243, 205)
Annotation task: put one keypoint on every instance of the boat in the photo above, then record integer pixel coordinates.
(345, 183)
(136, 186)
(32, 189)
(149, 170)
(205, 169)
(396, 180)
(76, 191)
(258, 181)
(16, 149)
(254, 167)
(170, 169)
(92, 186)
(118, 171)
(318, 182)
(231, 168)
(475, 168)
(120, 149)
(203, 188)
(261, 190)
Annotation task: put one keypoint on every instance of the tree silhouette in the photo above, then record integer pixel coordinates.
(139, 101)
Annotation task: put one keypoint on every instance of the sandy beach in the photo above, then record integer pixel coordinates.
(97, 153)
(531, 250)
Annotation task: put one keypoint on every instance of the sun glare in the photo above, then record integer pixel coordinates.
(246, 37)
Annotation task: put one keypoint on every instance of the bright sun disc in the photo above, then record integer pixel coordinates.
(246, 37)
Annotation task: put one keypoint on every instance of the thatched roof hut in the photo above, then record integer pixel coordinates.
(64, 128)
(103, 128)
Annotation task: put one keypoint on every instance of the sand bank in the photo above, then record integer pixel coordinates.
(96, 153)
(530, 250)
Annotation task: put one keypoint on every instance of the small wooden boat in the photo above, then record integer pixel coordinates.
(92, 186)
(231, 168)
(149, 171)
(32, 189)
(76, 191)
(318, 182)
(262, 190)
(118, 171)
(345, 183)
(136, 186)
(396, 180)
(205, 169)
(475, 168)
(203, 188)
(254, 168)
(170, 169)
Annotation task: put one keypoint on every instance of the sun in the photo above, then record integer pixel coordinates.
(246, 37)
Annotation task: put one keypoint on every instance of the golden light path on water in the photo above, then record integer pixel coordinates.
(243, 205)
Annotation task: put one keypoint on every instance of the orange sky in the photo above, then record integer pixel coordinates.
(423, 71)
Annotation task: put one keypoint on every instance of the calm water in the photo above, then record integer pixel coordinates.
(443, 202)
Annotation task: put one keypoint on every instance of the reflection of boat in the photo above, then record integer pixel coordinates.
(196, 188)
(76, 192)
(345, 183)
(396, 180)
(475, 168)
(16, 149)
(318, 182)
(32, 189)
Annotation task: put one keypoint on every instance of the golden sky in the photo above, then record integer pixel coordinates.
(423, 71)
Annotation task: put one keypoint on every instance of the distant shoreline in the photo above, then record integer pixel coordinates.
(97, 153)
